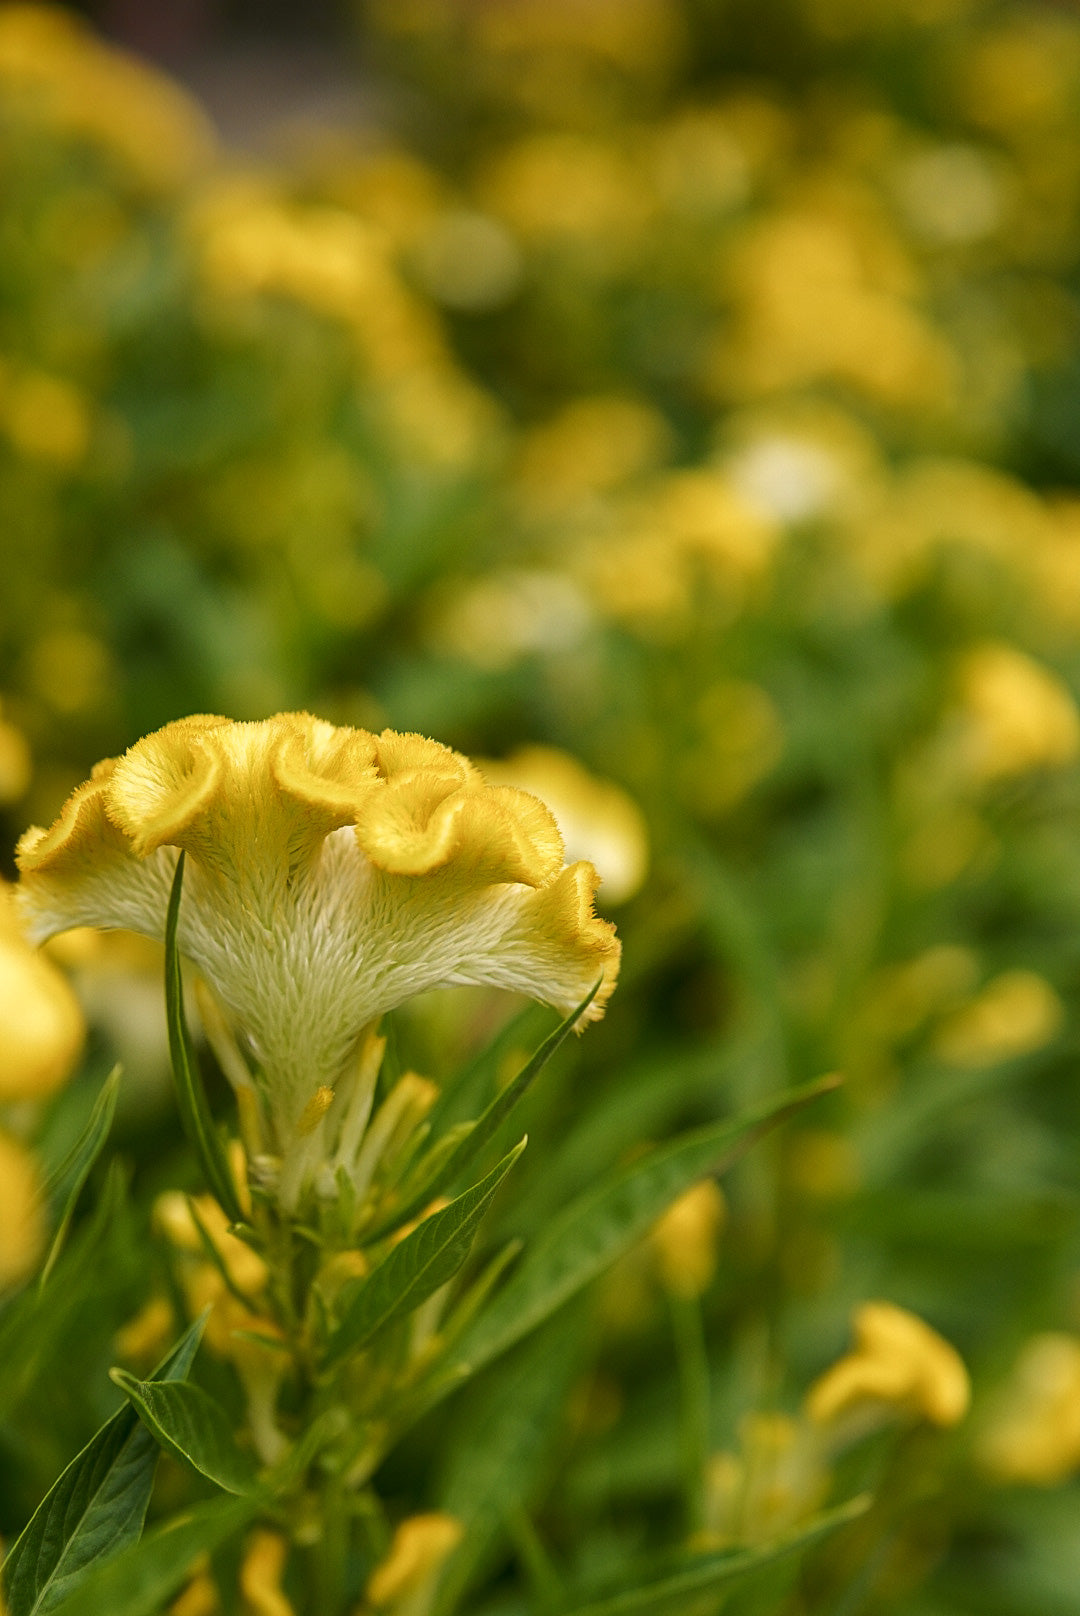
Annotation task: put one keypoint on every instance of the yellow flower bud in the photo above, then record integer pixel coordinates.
(22, 1227)
(200, 1597)
(261, 1572)
(41, 1024)
(686, 1238)
(419, 1547)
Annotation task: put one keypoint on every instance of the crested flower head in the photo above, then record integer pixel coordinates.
(331, 874)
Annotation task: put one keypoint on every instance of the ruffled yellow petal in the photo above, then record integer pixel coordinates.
(83, 828)
(162, 787)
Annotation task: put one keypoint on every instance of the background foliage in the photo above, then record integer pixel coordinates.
(692, 388)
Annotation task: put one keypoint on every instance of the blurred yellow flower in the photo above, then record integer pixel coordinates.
(1014, 1014)
(15, 762)
(144, 1338)
(404, 1579)
(592, 445)
(741, 739)
(22, 1221)
(775, 1479)
(686, 1239)
(898, 1362)
(494, 620)
(52, 64)
(45, 417)
(565, 189)
(1017, 714)
(332, 874)
(1033, 1434)
(824, 292)
(598, 821)
(200, 1597)
(41, 1025)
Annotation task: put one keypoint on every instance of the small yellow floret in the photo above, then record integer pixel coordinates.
(899, 1361)
(200, 1597)
(261, 1573)
(419, 1547)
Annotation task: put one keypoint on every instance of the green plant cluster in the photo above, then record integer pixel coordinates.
(692, 389)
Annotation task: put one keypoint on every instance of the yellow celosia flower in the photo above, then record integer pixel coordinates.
(419, 1547)
(1034, 1435)
(899, 1361)
(331, 875)
(22, 1225)
(41, 1025)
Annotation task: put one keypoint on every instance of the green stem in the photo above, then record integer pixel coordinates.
(692, 1364)
(330, 1555)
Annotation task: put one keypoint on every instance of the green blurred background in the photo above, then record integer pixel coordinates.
(691, 387)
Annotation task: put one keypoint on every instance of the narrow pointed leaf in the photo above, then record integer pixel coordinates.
(416, 1267)
(188, 1423)
(140, 1580)
(66, 1182)
(96, 1506)
(451, 1167)
(591, 1233)
(195, 1114)
(683, 1590)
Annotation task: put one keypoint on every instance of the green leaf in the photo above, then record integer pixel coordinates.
(449, 1168)
(66, 1181)
(588, 1236)
(193, 1427)
(500, 1447)
(682, 1590)
(138, 1581)
(95, 1507)
(415, 1268)
(195, 1115)
(33, 1325)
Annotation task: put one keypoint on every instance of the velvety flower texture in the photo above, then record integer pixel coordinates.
(331, 874)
